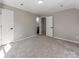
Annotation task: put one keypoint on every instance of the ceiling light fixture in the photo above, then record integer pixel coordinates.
(40, 1)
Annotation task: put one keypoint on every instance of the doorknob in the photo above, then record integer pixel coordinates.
(11, 28)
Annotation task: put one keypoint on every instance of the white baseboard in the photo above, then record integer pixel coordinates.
(19, 40)
(25, 38)
(67, 40)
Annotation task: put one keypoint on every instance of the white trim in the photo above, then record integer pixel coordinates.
(25, 38)
(67, 40)
(20, 39)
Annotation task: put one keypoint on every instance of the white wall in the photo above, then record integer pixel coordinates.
(67, 24)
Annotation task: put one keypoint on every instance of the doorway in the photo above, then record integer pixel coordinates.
(47, 26)
(43, 25)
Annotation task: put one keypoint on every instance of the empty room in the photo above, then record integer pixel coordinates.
(39, 28)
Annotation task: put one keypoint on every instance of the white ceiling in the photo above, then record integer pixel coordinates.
(47, 8)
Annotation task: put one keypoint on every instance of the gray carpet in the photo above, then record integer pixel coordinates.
(40, 47)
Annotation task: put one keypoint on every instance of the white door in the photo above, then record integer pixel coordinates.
(0, 29)
(49, 26)
(7, 26)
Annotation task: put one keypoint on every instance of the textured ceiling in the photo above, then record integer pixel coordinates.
(47, 8)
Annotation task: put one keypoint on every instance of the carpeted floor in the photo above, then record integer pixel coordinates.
(40, 47)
